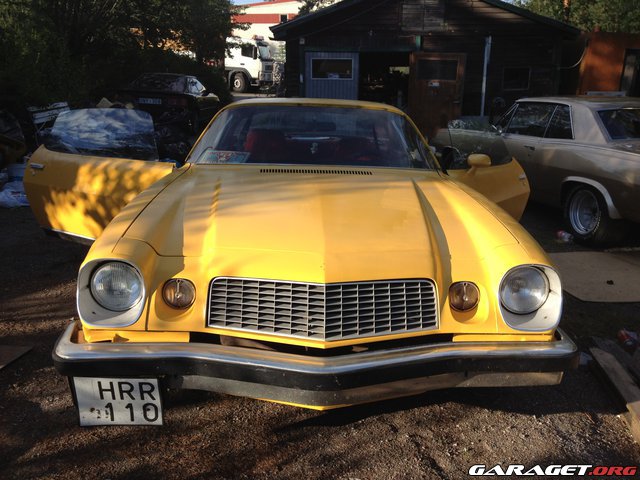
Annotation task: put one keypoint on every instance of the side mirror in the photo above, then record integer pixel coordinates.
(479, 160)
(255, 53)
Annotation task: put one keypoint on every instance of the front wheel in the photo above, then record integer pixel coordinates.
(239, 83)
(588, 219)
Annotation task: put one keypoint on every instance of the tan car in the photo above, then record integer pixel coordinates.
(581, 153)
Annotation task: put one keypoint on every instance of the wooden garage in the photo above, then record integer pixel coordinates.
(438, 59)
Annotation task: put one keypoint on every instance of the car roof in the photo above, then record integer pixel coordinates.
(316, 102)
(593, 102)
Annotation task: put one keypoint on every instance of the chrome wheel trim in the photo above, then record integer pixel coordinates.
(584, 212)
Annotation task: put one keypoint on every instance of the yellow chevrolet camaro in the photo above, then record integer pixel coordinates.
(310, 252)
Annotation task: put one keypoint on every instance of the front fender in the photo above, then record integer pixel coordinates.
(611, 208)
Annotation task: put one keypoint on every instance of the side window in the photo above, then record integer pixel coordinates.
(531, 119)
(247, 50)
(191, 86)
(560, 126)
(196, 87)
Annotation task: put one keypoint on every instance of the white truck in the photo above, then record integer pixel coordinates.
(249, 64)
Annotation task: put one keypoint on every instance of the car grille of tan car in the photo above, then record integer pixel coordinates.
(334, 311)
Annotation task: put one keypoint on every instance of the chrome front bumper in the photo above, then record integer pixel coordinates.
(321, 382)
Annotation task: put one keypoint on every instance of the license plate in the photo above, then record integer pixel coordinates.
(150, 101)
(118, 401)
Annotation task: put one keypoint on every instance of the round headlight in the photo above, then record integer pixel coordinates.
(179, 293)
(464, 296)
(117, 286)
(524, 290)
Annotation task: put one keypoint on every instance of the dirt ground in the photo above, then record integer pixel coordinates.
(437, 435)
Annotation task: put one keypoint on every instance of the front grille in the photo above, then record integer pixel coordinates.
(334, 311)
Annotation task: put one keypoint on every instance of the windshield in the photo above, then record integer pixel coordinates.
(621, 124)
(104, 132)
(312, 135)
(160, 82)
(265, 53)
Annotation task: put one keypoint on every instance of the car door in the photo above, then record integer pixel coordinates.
(523, 134)
(76, 182)
(503, 182)
(546, 169)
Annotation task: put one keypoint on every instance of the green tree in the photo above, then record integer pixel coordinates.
(205, 26)
(154, 21)
(589, 15)
(311, 5)
(79, 50)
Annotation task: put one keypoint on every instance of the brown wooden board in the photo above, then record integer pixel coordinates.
(621, 355)
(9, 353)
(624, 385)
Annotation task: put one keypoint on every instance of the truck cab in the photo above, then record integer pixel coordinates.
(249, 64)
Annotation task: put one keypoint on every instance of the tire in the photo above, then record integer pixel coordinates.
(239, 83)
(587, 217)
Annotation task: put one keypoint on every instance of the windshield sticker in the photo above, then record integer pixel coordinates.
(217, 156)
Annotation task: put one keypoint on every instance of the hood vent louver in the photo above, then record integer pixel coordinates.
(315, 171)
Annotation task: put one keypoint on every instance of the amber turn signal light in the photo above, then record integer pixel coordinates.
(179, 293)
(463, 296)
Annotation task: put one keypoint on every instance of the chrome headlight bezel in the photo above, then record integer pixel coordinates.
(106, 275)
(94, 313)
(549, 309)
(524, 290)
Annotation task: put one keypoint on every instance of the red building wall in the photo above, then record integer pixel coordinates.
(602, 66)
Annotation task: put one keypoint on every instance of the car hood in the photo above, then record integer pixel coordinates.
(318, 226)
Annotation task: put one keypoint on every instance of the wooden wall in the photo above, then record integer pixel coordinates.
(454, 26)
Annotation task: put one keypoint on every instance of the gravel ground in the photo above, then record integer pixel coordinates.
(437, 435)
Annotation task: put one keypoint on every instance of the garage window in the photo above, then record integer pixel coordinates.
(332, 68)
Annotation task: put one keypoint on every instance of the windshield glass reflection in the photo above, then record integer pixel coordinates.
(621, 124)
(104, 132)
(466, 136)
(312, 135)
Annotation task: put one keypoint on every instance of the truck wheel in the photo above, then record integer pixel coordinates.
(239, 83)
(588, 219)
